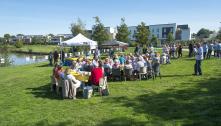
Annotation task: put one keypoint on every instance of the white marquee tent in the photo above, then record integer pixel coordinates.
(80, 40)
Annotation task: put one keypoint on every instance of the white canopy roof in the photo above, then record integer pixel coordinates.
(80, 40)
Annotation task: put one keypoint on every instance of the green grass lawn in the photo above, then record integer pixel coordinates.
(177, 99)
(37, 48)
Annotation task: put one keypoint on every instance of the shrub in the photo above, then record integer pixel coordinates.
(133, 44)
(18, 44)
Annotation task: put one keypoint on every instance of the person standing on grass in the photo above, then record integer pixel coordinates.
(180, 51)
(50, 58)
(219, 49)
(205, 49)
(55, 55)
(215, 49)
(210, 49)
(199, 58)
(190, 50)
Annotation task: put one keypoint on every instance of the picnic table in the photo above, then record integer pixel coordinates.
(81, 75)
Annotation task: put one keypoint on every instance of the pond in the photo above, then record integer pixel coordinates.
(22, 59)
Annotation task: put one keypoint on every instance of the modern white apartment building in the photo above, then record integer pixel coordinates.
(133, 31)
(112, 31)
(183, 32)
(161, 31)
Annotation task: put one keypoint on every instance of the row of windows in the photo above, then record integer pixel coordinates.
(157, 30)
(164, 30)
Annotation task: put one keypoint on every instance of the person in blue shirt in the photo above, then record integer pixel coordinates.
(215, 49)
(199, 58)
(219, 50)
(122, 60)
(205, 50)
(210, 49)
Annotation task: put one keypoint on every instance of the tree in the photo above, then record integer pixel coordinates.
(7, 38)
(1, 40)
(123, 32)
(78, 27)
(99, 34)
(52, 35)
(19, 44)
(36, 40)
(154, 40)
(142, 34)
(204, 33)
(219, 35)
(170, 37)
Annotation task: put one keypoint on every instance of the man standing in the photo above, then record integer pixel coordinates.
(190, 49)
(55, 55)
(50, 58)
(199, 58)
(210, 49)
(205, 50)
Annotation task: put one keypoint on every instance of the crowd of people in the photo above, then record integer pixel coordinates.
(149, 60)
(209, 48)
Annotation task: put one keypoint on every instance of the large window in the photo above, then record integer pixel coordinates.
(158, 36)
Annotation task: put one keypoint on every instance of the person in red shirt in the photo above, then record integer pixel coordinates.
(96, 74)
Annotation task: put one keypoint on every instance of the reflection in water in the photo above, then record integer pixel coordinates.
(21, 59)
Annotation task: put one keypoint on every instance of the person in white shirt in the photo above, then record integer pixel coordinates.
(140, 63)
(73, 83)
(128, 65)
(199, 58)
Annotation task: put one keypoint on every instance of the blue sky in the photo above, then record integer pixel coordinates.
(55, 16)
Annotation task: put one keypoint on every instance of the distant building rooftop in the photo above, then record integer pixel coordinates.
(183, 26)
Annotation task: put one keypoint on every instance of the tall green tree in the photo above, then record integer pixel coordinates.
(7, 38)
(52, 35)
(154, 41)
(99, 33)
(170, 37)
(1, 40)
(204, 33)
(36, 40)
(219, 35)
(78, 27)
(122, 32)
(142, 34)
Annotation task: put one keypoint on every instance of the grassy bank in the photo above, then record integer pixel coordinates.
(177, 99)
(36, 48)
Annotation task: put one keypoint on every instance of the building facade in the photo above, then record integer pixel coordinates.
(133, 31)
(183, 32)
(161, 31)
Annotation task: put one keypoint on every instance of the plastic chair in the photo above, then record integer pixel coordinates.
(116, 73)
(143, 72)
(102, 86)
(128, 73)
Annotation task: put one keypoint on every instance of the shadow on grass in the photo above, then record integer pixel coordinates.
(122, 121)
(198, 105)
(44, 65)
(44, 92)
(46, 123)
(177, 75)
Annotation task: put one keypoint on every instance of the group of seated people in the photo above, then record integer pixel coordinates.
(65, 82)
(100, 68)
